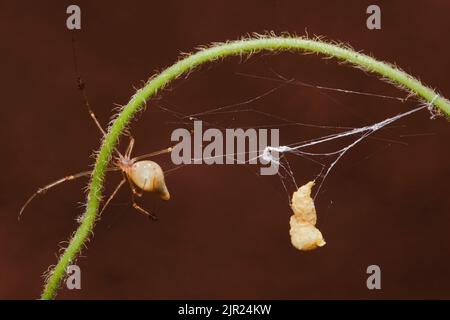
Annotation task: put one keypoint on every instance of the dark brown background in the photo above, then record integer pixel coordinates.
(224, 234)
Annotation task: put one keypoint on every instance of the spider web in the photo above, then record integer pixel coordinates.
(344, 137)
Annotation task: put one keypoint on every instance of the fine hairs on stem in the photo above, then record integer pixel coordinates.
(244, 46)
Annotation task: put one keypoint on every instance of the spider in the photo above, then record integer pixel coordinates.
(142, 175)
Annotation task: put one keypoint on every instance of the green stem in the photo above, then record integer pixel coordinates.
(215, 52)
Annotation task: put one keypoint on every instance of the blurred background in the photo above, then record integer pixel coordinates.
(224, 234)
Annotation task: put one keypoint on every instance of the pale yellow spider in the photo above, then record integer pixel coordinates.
(142, 175)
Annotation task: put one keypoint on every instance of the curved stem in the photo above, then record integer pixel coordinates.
(187, 64)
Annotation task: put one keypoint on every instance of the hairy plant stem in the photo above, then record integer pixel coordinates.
(187, 64)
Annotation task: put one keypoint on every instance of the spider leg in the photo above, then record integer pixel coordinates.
(51, 185)
(129, 148)
(112, 195)
(82, 87)
(141, 210)
(55, 183)
(152, 154)
(134, 192)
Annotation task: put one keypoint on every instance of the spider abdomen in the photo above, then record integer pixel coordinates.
(148, 176)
